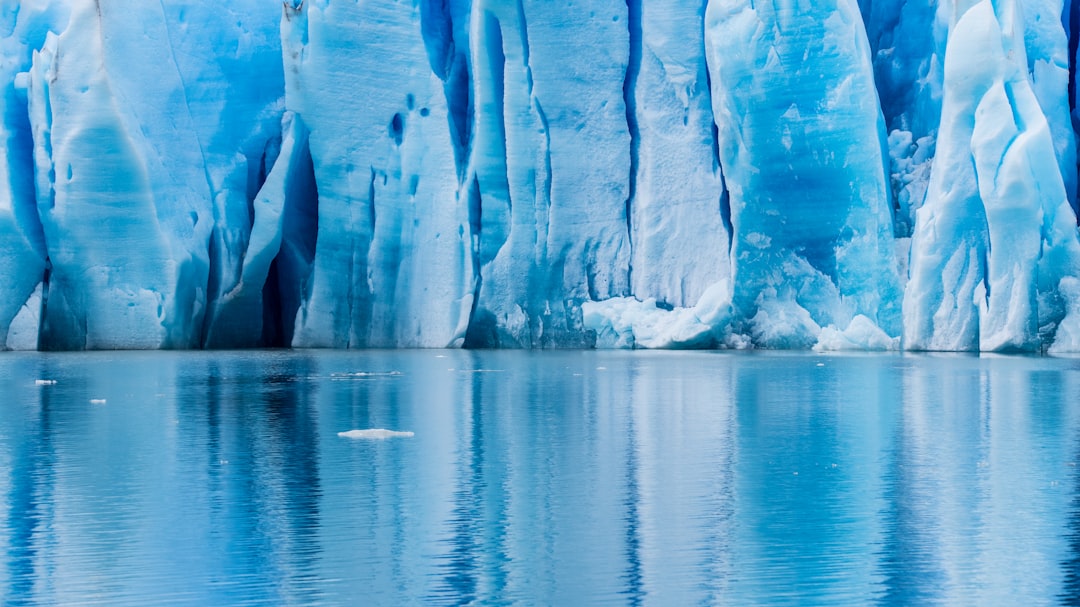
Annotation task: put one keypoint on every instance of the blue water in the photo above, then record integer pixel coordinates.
(539, 478)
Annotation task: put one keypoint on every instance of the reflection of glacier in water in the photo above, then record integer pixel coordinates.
(569, 477)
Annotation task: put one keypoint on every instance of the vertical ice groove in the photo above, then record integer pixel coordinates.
(1046, 46)
(280, 238)
(633, 69)
(907, 42)
(1071, 18)
(445, 27)
(213, 278)
(679, 234)
(544, 206)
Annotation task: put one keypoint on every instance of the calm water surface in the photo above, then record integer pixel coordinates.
(563, 478)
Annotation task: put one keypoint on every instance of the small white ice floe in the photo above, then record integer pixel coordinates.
(364, 375)
(45, 382)
(97, 401)
(374, 434)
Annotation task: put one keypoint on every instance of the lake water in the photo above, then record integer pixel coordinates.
(539, 478)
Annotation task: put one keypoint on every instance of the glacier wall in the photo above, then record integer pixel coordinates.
(843, 174)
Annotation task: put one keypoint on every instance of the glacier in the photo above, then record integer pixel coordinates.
(836, 175)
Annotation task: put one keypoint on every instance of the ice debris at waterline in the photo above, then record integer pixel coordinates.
(834, 175)
(374, 434)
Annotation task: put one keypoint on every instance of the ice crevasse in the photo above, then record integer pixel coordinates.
(841, 174)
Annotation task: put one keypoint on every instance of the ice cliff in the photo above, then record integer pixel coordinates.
(841, 174)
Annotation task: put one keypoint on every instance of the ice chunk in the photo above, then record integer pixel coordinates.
(860, 334)
(781, 322)
(1067, 337)
(374, 434)
(629, 323)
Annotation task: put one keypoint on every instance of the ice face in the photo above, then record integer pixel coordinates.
(723, 173)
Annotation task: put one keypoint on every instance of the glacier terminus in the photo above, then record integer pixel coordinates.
(837, 174)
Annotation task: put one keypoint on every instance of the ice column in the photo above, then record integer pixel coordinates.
(393, 260)
(120, 185)
(551, 151)
(23, 27)
(996, 234)
(678, 206)
(801, 140)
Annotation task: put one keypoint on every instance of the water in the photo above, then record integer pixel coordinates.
(563, 478)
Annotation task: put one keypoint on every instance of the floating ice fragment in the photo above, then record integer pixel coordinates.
(375, 434)
(97, 401)
(364, 375)
(45, 382)
(368, 374)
